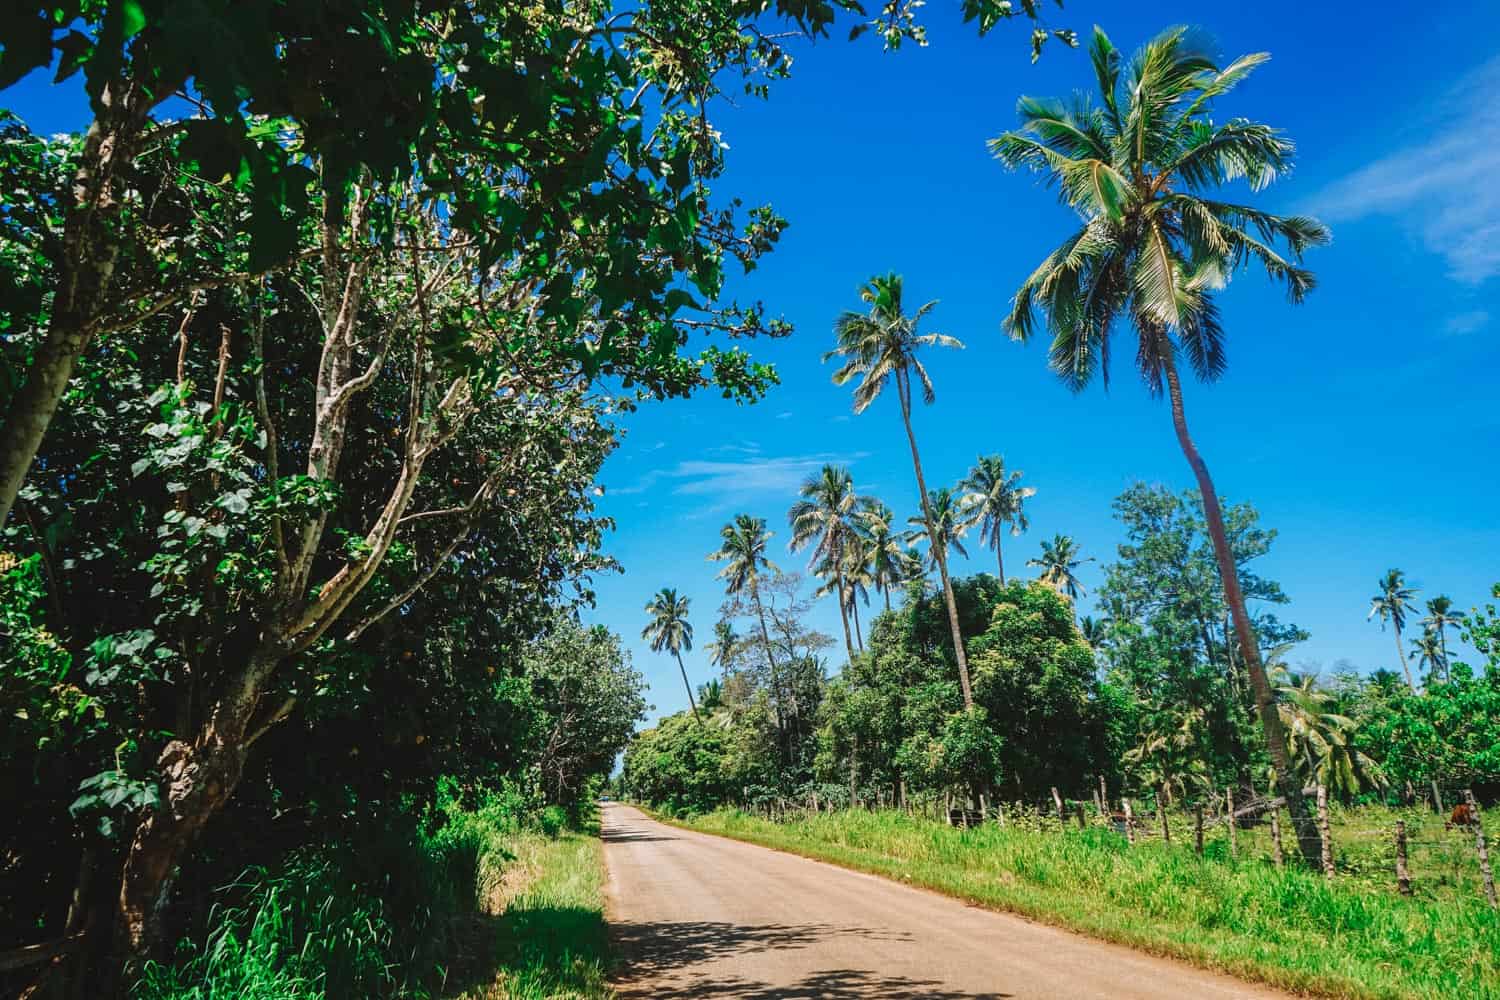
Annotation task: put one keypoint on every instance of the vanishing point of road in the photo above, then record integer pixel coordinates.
(693, 915)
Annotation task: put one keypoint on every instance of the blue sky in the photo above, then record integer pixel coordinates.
(1363, 424)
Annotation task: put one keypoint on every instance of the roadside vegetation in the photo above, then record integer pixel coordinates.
(1289, 927)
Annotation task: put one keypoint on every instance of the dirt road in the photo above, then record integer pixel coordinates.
(694, 915)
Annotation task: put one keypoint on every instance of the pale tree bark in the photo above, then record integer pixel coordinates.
(85, 270)
(837, 545)
(689, 686)
(939, 551)
(199, 770)
(1309, 843)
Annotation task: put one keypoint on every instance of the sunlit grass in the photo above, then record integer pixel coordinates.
(1353, 937)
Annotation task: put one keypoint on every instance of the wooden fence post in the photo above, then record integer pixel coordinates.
(1276, 854)
(1479, 846)
(1198, 830)
(1234, 847)
(1057, 800)
(984, 810)
(1129, 822)
(1437, 797)
(1103, 797)
(1082, 823)
(1000, 813)
(1323, 830)
(1403, 877)
(1161, 812)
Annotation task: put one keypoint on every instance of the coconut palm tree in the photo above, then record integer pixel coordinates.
(1139, 166)
(1058, 561)
(880, 346)
(948, 527)
(1430, 656)
(670, 630)
(1093, 630)
(742, 549)
(857, 577)
(995, 498)
(1318, 737)
(721, 650)
(1441, 616)
(1392, 602)
(824, 519)
(889, 565)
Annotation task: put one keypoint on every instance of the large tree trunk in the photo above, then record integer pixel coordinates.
(859, 639)
(90, 251)
(1308, 840)
(939, 551)
(688, 685)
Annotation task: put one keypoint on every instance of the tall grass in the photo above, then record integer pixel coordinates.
(1290, 928)
(404, 917)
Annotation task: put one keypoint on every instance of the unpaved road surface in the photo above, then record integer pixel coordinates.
(693, 915)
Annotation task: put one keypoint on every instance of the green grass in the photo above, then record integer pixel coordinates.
(1353, 937)
(550, 940)
(484, 908)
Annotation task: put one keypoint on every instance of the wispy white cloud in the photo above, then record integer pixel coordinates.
(1466, 322)
(784, 415)
(1442, 183)
(735, 480)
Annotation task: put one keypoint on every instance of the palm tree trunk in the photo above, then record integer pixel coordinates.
(1401, 655)
(689, 686)
(1308, 840)
(765, 638)
(999, 559)
(859, 639)
(903, 387)
(886, 593)
(838, 577)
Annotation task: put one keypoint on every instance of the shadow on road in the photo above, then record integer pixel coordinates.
(657, 959)
(630, 835)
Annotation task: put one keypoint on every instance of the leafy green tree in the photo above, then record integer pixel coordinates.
(824, 520)
(1034, 676)
(670, 630)
(995, 498)
(314, 109)
(1058, 561)
(1392, 602)
(880, 346)
(1153, 250)
(679, 766)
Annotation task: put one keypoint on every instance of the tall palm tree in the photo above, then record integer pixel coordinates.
(994, 499)
(889, 565)
(721, 650)
(947, 527)
(824, 519)
(1441, 616)
(880, 346)
(1429, 650)
(670, 630)
(1153, 248)
(1094, 631)
(1392, 602)
(1058, 561)
(742, 549)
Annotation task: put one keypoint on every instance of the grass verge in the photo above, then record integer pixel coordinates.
(549, 938)
(1288, 928)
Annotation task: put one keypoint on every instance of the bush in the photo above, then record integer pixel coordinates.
(552, 820)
